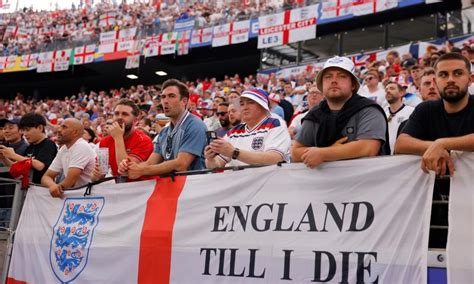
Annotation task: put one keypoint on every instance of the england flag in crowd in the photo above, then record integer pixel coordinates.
(231, 33)
(53, 61)
(167, 43)
(183, 40)
(7, 62)
(29, 61)
(107, 19)
(84, 54)
(201, 37)
(287, 27)
(115, 41)
(329, 9)
(152, 44)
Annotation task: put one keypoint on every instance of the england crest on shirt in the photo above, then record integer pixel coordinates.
(72, 236)
(257, 143)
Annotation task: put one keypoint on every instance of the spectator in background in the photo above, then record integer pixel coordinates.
(41, 150)
(344, 125)
(314, 98)
(124, 142)
(259, 140)
(416, 72)
(180, 145)
(223, 115)
(428, 89)
(372, 88)
(13, 137)
(396, 111)
(275, 107)
(234, 113)
(75, 159)
(437, 127)
(284, 103)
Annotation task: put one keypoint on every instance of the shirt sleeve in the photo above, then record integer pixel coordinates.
(278, 140)
(56, 164)
(371, 125)
(415, 126)
(307, 134)
(81, 156)
(142, 148)
(194, 139)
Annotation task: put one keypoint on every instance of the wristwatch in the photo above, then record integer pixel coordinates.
(235, 154)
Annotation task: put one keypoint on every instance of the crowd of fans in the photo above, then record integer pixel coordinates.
(28, 30)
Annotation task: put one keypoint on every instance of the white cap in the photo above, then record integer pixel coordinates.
(343, 63)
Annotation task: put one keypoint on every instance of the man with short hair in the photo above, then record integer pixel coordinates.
(124, 141)
(396, 111)
(76, 159)
(372, 88)
(415, 73)
(41, 150)
(428, 89)
(259, 140)
(314, 97)
(234, 113)
(223, 115)
(13, 136)
(344, 125)
(180, 145)
(437, 127)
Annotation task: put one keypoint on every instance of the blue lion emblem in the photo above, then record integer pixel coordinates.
(72, 236)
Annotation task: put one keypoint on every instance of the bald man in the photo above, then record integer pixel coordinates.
(76, 159)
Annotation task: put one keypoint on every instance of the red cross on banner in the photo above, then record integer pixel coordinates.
(82, 56)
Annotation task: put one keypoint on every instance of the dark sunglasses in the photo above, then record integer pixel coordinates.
(222, 113)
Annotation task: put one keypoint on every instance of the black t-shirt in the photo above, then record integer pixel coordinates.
(45, 152)
(287, 110)
(430, 121)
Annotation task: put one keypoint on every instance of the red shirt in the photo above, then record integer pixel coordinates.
(137, 145)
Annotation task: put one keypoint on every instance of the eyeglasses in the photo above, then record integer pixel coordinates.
(169, 147)
(222, 113)
(369, 78)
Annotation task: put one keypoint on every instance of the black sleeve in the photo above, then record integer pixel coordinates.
(417, 125)
(47, 154)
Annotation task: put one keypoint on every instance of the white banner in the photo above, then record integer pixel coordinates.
(460, 248)
(335, 8)
(183, 40)
(352, 221)
(403, 49)
(168, 43)
(29, 61)
(287, 27)
(201, 36)
(365, 7)
(231, 33)
(53, 61)
(114, 41)
(84, 54)
(152, 44)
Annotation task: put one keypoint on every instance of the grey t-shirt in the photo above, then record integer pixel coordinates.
(369, 123)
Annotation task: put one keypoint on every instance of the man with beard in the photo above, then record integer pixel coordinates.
(180, 145)
(75, 159)
(234, 113)
(396, 111)
(124, 141)
(223, 115)
(437, 127)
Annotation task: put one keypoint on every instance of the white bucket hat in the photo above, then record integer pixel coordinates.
(343, 63)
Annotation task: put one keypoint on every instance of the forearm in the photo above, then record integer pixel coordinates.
(409, 145)
(120, 151)
(260, 158)
(47, 181)
(297, 152)
(461, 143)
(164, 168)
(36, 164)
(351, 150)
(5, 161)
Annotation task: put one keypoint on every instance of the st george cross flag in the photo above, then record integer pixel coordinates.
(167, 43)
(201, 37)
(7, 62)
(461, 221)
(29, 61)
(53, 61)
(10, 32)
(335, 8)
(114, 41)
(152, 44)
(365, 7)
(133, 56)
(183, 40)
(287, 27)
(84, 54)
(358, 221)
(231, 33)
(107, 19)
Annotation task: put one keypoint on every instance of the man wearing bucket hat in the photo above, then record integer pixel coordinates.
(259, 140)
(344, 125)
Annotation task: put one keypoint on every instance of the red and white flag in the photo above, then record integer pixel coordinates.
(10, 32)
(107, 19)
(365, 7)
(167, 43)
(201, 36)
(53, 61)
(152, 44)
(183, 40)
(29, 61)
(231, 33)
(114, 41)
(287, 27)
(335, 8)
(242, 226)
(84, 54)
(133, 56)
(7, 62)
